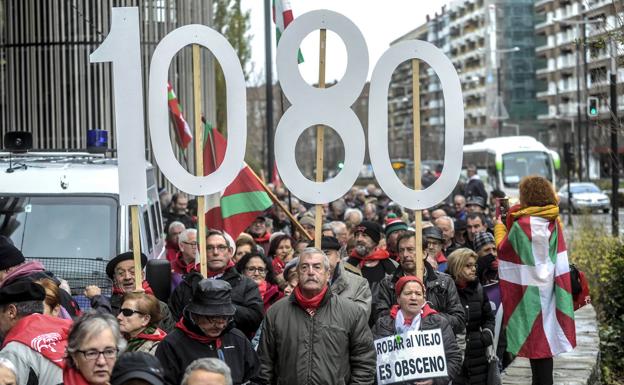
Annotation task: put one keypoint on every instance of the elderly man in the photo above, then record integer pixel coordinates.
(178, 211)
(206, 330)
(185, 259)
(459, 201)
(373, 261)
(245, 293)
(447, 226)
(29, 335)
(172, 242)
(353, 217)
(207, 371)
(441, 290)
(341, 231)
(394, 228)
(315, 336)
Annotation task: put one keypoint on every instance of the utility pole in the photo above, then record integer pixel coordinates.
(586, 94)
(269, 88)
(615, 161)
(579, 140)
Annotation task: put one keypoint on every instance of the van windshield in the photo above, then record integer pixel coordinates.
(61, 227)
(517, 165)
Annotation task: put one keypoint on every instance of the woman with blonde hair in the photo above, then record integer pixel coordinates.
(462, 266)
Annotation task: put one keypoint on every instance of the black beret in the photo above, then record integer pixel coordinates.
(330, 243)
(21, 291)
(10, 256)
(110, 266)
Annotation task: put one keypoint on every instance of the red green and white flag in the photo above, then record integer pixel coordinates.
(282, 16)
(183, 130)
(536, 290)
(235, 208)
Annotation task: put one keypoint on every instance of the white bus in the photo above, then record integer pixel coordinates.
(502, 162)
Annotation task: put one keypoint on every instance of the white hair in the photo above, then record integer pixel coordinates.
(350, 211)
(210, 365)
(449, 220)
(184, 236)
(313, 251)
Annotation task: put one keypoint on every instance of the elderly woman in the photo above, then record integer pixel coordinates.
(138, 322)
(92, 348)
(413, 313)
(8, 372)
(462, 266)
(257, 267)
(282, 251)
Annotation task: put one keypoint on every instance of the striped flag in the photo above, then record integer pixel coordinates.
(535, 287)
(183, 130)
(282, 16)
(235, 208)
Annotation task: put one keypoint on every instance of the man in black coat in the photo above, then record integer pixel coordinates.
(245, 294)
(206, 330)
(474, 186)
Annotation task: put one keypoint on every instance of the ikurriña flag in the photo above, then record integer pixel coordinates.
(282, 16)
(235, 208)
(535, 285)
(183, 130)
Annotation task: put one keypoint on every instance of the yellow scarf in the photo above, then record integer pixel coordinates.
(550, 212)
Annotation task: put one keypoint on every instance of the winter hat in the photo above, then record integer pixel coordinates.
(138, 366)
(371, 229)
(10, 256)
(476, 200)
(482, 239)
(398, 286)
(394, 224)
(22, 291)
(329, 243)
(434, 233)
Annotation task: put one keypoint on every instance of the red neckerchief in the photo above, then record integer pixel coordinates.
(44, 334)
(72, 376)
(122, 291)
(262, 287)
(278, 265)
(204, 339)
(263, 238)
(179, 266)
(271, 294)
(309, 303)
(210, 274)
(376, 255)
(424, 312)
(158, 335)
(440, 258)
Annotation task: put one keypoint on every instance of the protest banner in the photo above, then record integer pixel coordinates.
(410, 356)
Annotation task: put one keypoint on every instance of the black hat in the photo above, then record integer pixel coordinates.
(433, 232)
(212, 297)
(21, 291)
(128, 255)
(371, 229)
(137, 366)
(460, 225)
(330, 243)
(476, 200)
(10, 256)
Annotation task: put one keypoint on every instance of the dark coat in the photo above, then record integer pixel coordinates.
(441, 295)
(479, 316)
(475, 188)
(178, 350)
(245, 297)
(335, 346)
(384, 327)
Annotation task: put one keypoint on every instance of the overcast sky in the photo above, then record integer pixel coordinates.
(380, 23)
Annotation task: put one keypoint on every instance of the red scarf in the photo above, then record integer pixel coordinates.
(204, 339)
(309, 304)
(179, 266)
(440, 258)
(122, 291)
(211, 274)
(71, 376)
(172, 250)
(269, 294)
(266, 238)
(44, 334)
(278, 265)
(376, 255)
(424, 312)
(158, 335)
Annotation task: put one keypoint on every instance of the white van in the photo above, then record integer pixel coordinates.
(63, 209)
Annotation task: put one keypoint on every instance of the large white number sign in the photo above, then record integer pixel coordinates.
(310, 106)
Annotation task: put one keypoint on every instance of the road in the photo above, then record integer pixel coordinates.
(602, 222)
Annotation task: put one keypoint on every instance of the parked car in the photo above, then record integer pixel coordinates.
(584, 197)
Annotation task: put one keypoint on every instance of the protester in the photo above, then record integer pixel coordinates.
(533, 238)
(475, 223)
(412, 312)
(442, 293)
(329, 331)
(281, 249)
(290, 274)
(259, 269)
(437, 213)
(373, 261)
(207, 371)
(245, 294)
(474, 187)
(393, 229)
(186, 257)
(487, 263)
(258, 230)
(462, 266)
(352, 218)
(121, 270)
(433, 242)
(206, 330)
(244, 245)
(27, 335)
(138, 321)
(446, 225)
(178, 211)
(460, 237)
(137, 368)
(51, 303)
(8, 372)
(459, 201)
(172, 244)
(475, 204)
(341, 231)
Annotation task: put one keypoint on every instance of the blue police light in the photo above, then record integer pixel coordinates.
(97, 141)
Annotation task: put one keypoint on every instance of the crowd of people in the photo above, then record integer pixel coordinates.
(272, 309)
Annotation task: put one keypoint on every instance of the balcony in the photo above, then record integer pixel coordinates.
(540, 3)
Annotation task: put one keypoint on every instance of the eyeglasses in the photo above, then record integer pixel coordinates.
(213, 320)
(129, 312)
(192, 244)
(92, 355)
(259, 270)
(220, 248)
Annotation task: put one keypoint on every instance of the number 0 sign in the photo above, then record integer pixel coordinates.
(310, 106)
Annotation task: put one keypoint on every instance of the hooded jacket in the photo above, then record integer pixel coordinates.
(335, 346)
(349, 285)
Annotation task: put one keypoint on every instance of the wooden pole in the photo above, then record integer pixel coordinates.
(417, 185)
(136, 247)
(199, 158)
(320, 142)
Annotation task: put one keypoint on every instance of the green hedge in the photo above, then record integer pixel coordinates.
(602, 259)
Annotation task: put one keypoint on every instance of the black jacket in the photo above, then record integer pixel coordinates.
(475, 188)
(178, 350)
(441, 295)
(384, 327)
(479, 316)
(113, 306)
(245, 297)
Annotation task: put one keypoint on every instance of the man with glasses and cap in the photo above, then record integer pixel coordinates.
(206, 330)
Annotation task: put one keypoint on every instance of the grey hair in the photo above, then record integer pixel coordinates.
(449, 219)
(311, 251)
(5, 363)
(224, 235)
(349, 211)
(90, 324)
(338, 225)
(211, 365)
(175, 224)
(184, 236)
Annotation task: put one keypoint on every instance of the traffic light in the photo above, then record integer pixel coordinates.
(568, 155)
(592, 106)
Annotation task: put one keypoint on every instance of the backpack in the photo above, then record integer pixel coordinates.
(580, 287)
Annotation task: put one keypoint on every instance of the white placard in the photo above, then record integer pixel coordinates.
(410, 356)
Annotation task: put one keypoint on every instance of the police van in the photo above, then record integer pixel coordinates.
(62, 209)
